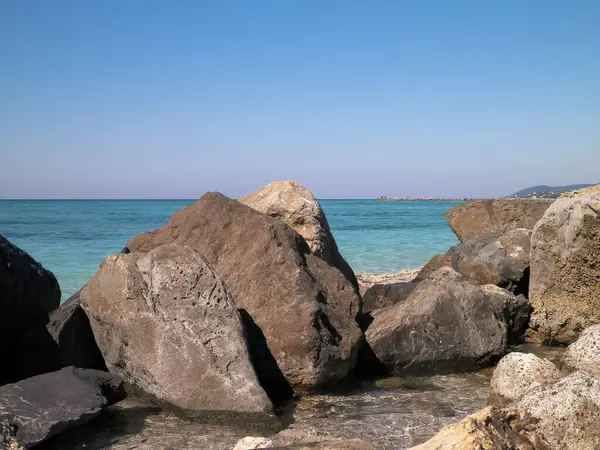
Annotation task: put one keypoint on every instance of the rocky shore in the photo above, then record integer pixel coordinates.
(239, 325)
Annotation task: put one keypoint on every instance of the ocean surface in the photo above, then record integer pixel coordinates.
(72, 237)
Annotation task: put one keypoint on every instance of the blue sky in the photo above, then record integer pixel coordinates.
(158, 99)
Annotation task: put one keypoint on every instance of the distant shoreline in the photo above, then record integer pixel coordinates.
(422, 199)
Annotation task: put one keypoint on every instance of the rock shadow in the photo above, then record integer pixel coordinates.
(268, 372)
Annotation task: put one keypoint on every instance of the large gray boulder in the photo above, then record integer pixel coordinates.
(495, 216)
(519, 373)
(40, 407)
(500, 259)
(295, 205)
(166, 323)
(28, 293)
(584, 353)
(565, 268)
(300, 306)
(446, 324)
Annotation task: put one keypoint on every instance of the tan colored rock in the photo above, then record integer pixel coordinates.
(486, 429)
(565, 413)
(519, 373)
(296, 206)
(368, 280)
(435, 263)
(294, 302)
(565, 268)
(495, 216)
(166, 323)
(252, 443)
(584, 353)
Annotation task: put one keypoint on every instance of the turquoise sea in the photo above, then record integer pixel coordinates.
(72, 237)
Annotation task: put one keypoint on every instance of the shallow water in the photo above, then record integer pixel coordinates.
(390, 413)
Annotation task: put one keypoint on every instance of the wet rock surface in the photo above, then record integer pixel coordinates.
(42, 406)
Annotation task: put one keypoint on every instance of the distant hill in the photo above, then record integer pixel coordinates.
(547, 191)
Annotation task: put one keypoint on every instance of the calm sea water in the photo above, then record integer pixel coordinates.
(72, 237)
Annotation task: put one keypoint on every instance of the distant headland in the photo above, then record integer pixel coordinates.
(383, 198)
(545, 191)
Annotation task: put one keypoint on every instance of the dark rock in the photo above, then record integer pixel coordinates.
(45, 405)
(305, 308)
(446, 324)
(437, 262)
(167, 324)
(28, 293)
(502, 260)
(494, 216)
(383, 295)
(70, 328)
(516, 311)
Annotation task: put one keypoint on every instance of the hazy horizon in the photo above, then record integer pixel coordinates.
(160, 100)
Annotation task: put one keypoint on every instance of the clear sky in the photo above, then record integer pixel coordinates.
(169, 99)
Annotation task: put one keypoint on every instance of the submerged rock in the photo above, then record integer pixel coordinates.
(565, 268)
(446, 324)
(28, 294)
(40, 407)
(502, 260)
(304, 308)
(383, 295)
(584, 353)
(519, 373)
(295, 205)
(494, 216)
(166, 322)
(300, 440)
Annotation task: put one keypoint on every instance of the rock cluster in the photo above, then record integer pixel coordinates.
(233, 306)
